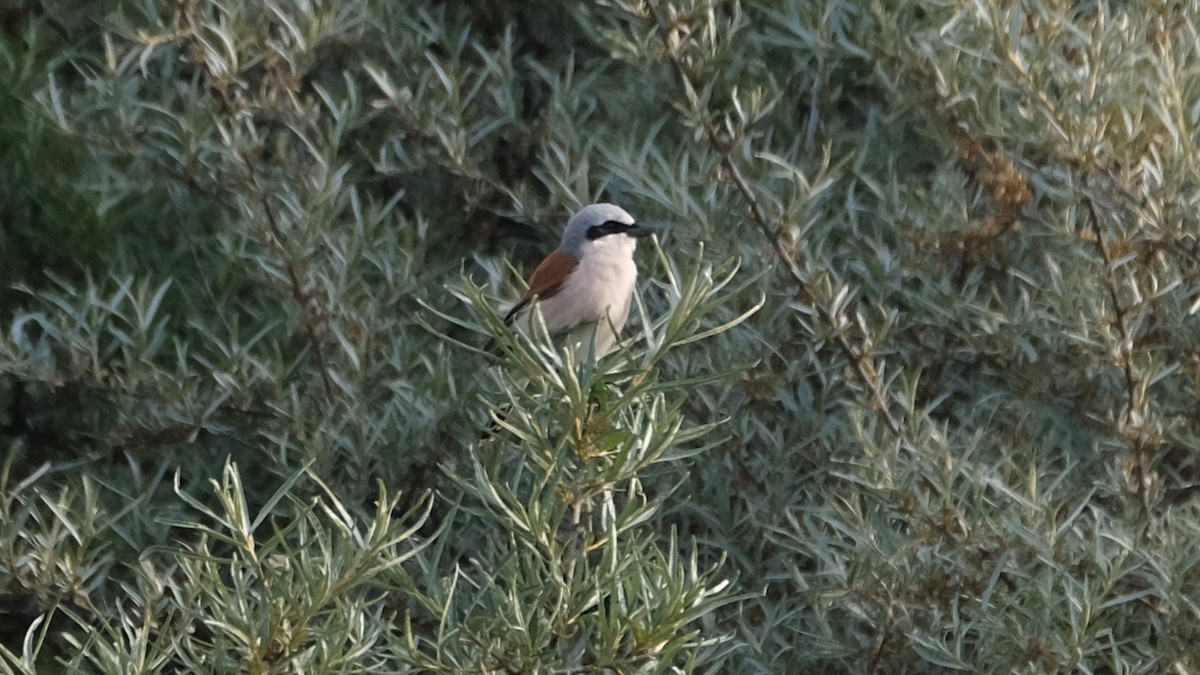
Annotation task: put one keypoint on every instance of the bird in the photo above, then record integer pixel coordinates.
(584, 288)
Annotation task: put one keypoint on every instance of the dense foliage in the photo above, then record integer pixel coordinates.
(911, 384)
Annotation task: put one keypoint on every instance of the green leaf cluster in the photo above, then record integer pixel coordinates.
(910, 384)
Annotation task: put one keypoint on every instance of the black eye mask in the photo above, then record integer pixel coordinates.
(614, 227)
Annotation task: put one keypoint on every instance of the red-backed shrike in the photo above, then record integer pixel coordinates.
(584, 288)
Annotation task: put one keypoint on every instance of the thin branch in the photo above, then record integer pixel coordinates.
(299, 295)
(863, 364)
(1130, 426)
(1119, 318)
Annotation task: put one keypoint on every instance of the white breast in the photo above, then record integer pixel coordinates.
(595, 298)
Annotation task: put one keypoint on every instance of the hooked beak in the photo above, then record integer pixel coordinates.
(639, 231)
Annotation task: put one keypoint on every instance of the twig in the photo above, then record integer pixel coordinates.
(863, 364)
(1130, 425)
(299, 295)
(1119, 318)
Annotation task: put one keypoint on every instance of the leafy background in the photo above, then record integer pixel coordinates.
(912, 387)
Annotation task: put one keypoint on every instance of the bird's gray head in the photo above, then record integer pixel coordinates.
(599, 221)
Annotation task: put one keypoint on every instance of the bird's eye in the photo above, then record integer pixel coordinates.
(609, 227)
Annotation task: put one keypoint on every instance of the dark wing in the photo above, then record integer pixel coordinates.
(545, 281)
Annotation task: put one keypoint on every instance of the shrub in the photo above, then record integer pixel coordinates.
(911, 386)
